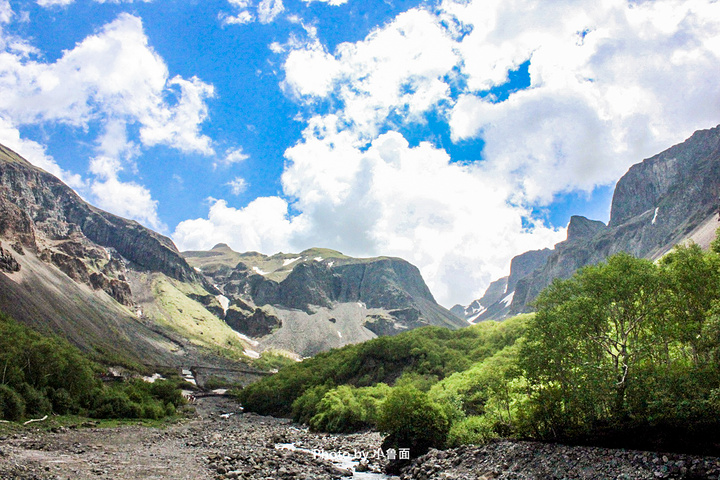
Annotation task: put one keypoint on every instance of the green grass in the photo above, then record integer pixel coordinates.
(192, 320)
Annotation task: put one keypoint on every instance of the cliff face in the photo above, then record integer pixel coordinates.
(330, 298)
(42, 214)
(70, 268)
(658, 203)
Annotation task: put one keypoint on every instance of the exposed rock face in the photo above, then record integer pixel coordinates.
(41, 213)
(7, 261)
(384, 295)
(656, 204)
(66, 253)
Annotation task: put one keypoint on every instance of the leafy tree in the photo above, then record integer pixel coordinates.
(591, 333)
(411, 420)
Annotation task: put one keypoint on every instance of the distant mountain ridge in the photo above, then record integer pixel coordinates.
(92, 277)
(660, 202)
(319, 298)
(125, 294)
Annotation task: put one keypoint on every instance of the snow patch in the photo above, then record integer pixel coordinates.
(188, 376)
(339, 334)
(477, 314)
(318, 259)
(259, 272)
(289, 261)
(224, 302)
(508, 300)
(330, 264)
(247, 339)
(655, 216)
(155, 376)
(251, 353)
(199, 270)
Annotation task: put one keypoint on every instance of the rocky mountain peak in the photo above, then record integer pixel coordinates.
(582, 228)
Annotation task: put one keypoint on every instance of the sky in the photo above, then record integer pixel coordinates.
(455, 134)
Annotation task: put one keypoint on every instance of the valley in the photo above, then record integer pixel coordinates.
(219, 442)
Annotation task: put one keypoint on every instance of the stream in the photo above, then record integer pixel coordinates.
(344, 460)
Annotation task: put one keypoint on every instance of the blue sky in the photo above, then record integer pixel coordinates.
(453, 133)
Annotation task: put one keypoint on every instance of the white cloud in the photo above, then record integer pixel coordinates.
(269, 9)
(237, 185)
(112, 81)
(6, 12)
(35, 153)
(232, 156)
(264, 225)
(127, 199)
(397, 69)
(265, 12)
(334, 3)
(611, 82)
(52, 3)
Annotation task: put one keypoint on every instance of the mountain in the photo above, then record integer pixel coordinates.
(495, 303)
(318, 299)
(111, 286)
(666, 199)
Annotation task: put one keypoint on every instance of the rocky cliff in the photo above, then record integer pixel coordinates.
(319, 298)
(664, 200)
(73, 269)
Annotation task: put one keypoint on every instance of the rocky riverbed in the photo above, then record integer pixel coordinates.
(220, 442)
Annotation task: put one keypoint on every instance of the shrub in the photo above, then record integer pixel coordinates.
(36, 403)
(12, 406)
(411, 420)
(470, 431)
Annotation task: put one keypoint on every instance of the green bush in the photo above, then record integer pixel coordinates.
(36, 403)
(470, 431)
(339, 411)
(12, 405)
(411, 420)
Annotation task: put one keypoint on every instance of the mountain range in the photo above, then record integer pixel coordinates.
(125, 294)
(664, 200)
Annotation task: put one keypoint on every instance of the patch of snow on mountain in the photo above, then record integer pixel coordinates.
(508, 300)
(655, 216)
(339, 334)
(476, 314)
(259, 272)
(290, 260)
(330, 264)
(318, 259)
(247, 339)
(224, 302)
(199, 270)
(251, 353)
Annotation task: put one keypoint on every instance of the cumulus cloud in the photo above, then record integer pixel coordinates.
(246, 11)
(127, 199)
(36, 154)
(115, 81)
(264, 226)
(610, 83)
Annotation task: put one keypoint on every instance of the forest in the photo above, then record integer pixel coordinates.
(625, 353)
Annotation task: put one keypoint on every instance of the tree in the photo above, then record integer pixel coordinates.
(588, 339)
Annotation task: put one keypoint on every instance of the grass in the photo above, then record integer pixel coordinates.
(192, 320)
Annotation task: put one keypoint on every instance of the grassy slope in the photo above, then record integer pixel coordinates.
(191, 319)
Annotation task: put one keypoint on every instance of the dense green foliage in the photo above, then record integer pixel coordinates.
(41, 374)
(627, 347)
(624, 353)
(419, 356)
